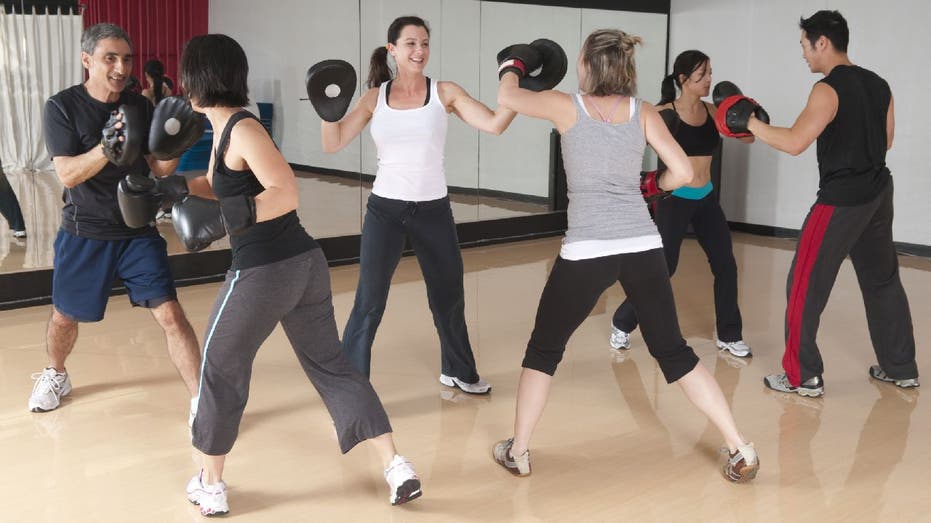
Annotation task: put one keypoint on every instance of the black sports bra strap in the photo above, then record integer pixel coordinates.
(388, 92)
(225, 137)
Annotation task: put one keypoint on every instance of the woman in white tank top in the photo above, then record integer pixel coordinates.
(610, 239)
(409, 199)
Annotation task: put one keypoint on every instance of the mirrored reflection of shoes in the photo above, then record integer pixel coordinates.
(733, 361)
(877, 373)
(479, 387)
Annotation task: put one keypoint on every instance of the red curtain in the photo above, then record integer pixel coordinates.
(159, 29)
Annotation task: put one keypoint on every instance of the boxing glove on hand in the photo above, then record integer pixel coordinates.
(524, 59)
(176, 126)
(331, 75)
(121, 140)
(734, 113)
(649, 186)
(521, 59)
(198, 222)
(140, 197)
(201, 221)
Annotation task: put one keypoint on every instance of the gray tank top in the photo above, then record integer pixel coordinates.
(603, 162)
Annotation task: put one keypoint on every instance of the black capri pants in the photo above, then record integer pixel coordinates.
(574, 287)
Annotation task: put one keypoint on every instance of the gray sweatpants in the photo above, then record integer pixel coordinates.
(295, 292)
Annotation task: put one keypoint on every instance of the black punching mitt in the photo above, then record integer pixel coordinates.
(553, 69)
(175, 128)
(121, 136)
(330, 86)
(723, 90)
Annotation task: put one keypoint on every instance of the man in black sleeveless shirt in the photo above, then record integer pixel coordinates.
(850, 113)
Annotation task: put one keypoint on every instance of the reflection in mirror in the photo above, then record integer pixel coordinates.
(454, 25)
(281, 45)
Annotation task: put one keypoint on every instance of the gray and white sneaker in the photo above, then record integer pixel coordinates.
(519, 466)
(619, 340)
(812, 387)
(479, 387)
(403, 481)
(737, 348)
(48, 390)
(877, 373)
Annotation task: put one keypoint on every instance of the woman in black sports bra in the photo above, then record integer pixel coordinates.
(691, 121)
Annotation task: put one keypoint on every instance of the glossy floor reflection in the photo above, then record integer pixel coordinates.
(616, 443)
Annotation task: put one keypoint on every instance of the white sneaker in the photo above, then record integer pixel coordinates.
(19, 234)
(211, 498)
(479, 387)
(403, 481)
(737, 348)
(50, 387)
(620, 340)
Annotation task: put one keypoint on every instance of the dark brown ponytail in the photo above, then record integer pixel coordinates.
(379, 72)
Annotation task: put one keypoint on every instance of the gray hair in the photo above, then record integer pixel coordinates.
(95, 33)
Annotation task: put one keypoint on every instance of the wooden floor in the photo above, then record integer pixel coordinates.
(615, 444)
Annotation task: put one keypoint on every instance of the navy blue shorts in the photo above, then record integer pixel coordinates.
(85, 270)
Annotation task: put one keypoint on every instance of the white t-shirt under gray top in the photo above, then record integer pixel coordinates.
(410, 145)
(607, 214)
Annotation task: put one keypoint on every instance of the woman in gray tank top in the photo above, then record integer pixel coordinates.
(610, 238)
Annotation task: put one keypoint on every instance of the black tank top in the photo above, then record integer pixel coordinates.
(265, 242)
(695, 140)
(852, 148)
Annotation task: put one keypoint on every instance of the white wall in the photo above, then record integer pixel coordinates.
(755, 43)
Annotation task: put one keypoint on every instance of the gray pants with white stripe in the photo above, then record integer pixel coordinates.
(295, 292)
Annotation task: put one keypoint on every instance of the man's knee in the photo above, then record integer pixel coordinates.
(171, 317)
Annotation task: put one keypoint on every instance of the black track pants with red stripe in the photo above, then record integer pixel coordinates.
(829, 234)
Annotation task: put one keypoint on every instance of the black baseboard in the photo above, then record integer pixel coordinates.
(453, 189)
(909, 249)
(31, 288)
(644, 6)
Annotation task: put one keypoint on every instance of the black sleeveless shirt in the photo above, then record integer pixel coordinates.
(852, 148)
(265, 242)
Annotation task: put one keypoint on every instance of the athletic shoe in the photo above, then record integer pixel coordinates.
(519, 466)
(479, 387)
(877, 373)
(403, 481)
(741, 465)
(619, 340)
(51, 386)
(737, 348)
(813, 387)
(211, 498)
(19, 234)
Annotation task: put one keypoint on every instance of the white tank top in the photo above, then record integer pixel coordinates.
(410, 144)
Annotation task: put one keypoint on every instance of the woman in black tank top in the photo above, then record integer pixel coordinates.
(278, 275)
(691, 122)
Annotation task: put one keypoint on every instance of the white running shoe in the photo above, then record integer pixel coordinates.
(737, 348)
(620, 340)
(19, 234)
(403, 481)
(211, 498)
(51, 386)
(479, 387)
